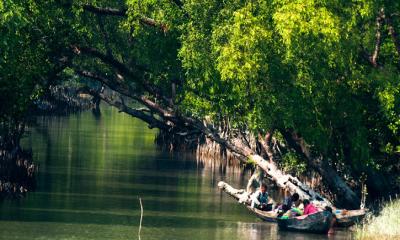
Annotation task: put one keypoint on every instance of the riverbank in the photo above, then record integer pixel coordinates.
(17, 170)
(384, 226)
(63, 100)
(17, 173)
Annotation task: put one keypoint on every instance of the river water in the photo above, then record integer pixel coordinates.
(93, 170)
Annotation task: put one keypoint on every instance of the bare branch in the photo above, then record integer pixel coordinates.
(110, 60)
(127, 91)
(105, 10)
(154, 23)
(137, 113)
(114, 85)
(152, 121)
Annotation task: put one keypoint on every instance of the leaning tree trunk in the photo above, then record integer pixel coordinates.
(244, 153)
(164, 116)
(344, 195)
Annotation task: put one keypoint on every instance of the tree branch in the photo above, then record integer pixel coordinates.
(318, 163)
(266, 144)
(125, 90)
(172, 119)
(137, 113)
(379, 20)
(123, 69)
(123, 13)
(114, 85)
(105, 10)
(110, 60)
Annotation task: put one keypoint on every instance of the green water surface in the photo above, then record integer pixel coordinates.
(92, 171)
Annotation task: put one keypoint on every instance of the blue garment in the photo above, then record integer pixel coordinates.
(263, 197)
(258, 198)
(287, 203)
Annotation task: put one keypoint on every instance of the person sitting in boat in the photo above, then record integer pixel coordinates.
(290, 207)
(309, 208)
(290, 201)
(259, 199)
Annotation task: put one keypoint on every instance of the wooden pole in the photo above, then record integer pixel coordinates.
(141, 217)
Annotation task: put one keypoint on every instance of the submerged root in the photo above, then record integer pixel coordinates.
(17, 173)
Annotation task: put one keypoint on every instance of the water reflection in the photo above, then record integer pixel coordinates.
(92, 171)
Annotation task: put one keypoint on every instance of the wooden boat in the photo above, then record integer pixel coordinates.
(349, 218)
(344, 218)
(268, 216)
(319, 222)
(241, 194)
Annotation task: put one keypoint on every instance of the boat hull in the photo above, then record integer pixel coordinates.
(267, 216)
(319, 222)
(350, 217)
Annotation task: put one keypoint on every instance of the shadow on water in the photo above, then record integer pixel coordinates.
(94, 168)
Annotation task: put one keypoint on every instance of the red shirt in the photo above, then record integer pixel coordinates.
(310, 209)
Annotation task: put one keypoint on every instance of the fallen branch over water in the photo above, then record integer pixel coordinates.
(239, 194)
(244, 197)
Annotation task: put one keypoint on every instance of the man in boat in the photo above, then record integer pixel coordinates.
(290, 206)
(290, 201)
(259, 199)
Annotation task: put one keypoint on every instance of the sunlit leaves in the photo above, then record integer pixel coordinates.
(290, 64)
(389, 97)
(241, 46)
(297, 19)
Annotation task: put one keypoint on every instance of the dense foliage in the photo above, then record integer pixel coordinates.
(328, 70)
(300, 65)
(30, 46)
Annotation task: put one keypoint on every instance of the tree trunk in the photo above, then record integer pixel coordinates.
(239, 194)
(345, 196)
(378, 41)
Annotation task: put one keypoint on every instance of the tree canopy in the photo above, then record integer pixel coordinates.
(327, 71)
